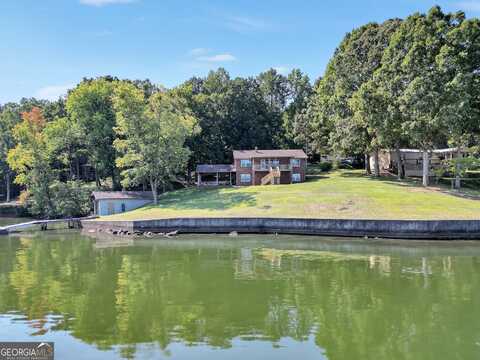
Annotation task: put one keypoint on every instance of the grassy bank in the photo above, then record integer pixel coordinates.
(340, 194)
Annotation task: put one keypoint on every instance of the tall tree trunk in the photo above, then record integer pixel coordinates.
(458, 169)
(97, 179)
(376, 168)
(116, 179)
(77, 165)
(368, 171)
(426, 167)
(7, 181)
(154, 186)
(400, 170)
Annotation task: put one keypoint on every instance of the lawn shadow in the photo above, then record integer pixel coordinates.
(310, 178)
(412, 183)
(220, 198)
(353, 174)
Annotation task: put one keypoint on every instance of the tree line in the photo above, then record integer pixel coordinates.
(411, 82)
(403, 83)
(112, 134)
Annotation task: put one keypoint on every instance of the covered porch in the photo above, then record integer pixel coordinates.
(215, 175)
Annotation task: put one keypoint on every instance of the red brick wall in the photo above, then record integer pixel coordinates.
(240, 170)
(285, 176)
(301, 169)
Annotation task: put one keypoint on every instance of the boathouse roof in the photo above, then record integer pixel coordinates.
(117, 195)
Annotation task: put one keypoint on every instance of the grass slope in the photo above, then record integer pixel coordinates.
(340, 194)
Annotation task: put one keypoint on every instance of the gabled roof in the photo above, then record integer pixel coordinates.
(220, 168)
(120, 195)
(248, 154)
(436, 151)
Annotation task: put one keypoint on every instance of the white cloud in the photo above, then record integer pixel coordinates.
(204, 55)
(217, 58)
(53, 92)
(244, 23)
(281, 69)
(105, 2)
(473, 6)
(198, 52)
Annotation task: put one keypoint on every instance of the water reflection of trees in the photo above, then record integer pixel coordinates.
(357, 306)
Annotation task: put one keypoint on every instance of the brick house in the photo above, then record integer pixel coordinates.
(257, 167)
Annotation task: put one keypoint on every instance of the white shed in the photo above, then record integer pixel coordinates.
(115, 202)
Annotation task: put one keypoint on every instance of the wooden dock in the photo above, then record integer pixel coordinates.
(70, 223)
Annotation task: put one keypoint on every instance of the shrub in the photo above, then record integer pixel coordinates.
(71, 198)
(325, 166)
(67, 199)
(314, 169)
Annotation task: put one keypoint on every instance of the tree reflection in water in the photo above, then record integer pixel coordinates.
(355, 300)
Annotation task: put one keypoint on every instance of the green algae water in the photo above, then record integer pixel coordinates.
(245, 297)
(4, 221)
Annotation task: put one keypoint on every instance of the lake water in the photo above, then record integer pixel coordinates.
(4, 221)
(249, 297)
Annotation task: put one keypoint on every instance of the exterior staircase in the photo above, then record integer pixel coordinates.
(273, 177)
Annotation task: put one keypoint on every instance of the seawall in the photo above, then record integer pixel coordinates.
(399, 229)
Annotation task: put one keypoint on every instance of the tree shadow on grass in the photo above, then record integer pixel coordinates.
(411, 183)
(214, 199)
(312, 178)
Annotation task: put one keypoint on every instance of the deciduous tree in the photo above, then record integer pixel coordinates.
(30, 160)
(151, 136)
(90, 106)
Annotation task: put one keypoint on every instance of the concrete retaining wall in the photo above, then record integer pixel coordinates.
(400, 229)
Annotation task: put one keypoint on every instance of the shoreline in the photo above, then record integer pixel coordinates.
(397, 229)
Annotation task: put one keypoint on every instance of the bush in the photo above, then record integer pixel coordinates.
(71, 198)
(314, 169)
(325, 166)
(67, 199)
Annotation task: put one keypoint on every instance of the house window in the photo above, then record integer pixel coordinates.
(275, 163)
(296, 177)
(123, 207)
(245, 178)
(245, 163)
(295, 162)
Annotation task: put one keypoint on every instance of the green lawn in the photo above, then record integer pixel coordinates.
(339, 194)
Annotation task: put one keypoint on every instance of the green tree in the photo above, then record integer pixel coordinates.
(274, 87)
(299, 92)
(30, 160)
(409, 80)
(90, 106)
(65, 142)
(9, 117)
(151, 136)
(459, 63)
(233, 114)
(355, 61)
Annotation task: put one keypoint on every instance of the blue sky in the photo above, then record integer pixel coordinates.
(47, 46)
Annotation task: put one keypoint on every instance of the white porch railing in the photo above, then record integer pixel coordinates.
(267, 167)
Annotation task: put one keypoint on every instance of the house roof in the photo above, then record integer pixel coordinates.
(120, 195)
(248, 154)
(436, 151)
(220, 168)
